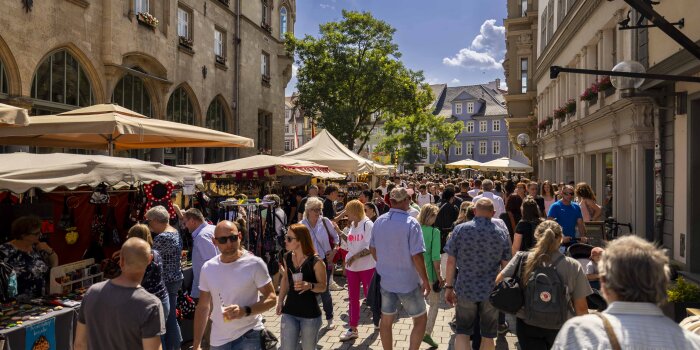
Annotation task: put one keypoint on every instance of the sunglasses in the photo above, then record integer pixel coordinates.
(223, 240)
(568, 193)
(289, 239)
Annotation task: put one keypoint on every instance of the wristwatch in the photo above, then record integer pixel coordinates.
(312, 286)
(248, 310)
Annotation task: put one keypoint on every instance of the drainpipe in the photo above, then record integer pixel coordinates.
(237, 82)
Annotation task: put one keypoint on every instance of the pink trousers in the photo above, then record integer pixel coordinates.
(354, 280)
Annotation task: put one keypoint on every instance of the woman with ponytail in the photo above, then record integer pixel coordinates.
(548, 236)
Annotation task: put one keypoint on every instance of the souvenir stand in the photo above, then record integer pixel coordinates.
(86, 204)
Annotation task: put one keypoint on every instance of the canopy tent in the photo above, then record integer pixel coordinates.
(263, 166)
(327, 150)
(505, 164)
(465, 163)
(21, 171)
(111, 127)
(13, 116)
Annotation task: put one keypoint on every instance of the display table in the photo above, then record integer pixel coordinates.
(64, 329)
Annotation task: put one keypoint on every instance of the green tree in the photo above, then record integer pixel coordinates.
(350, 73)
(444, 134)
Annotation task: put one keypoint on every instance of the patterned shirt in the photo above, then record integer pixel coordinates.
(31, 268)
(153, 278)
(479, 246)
(169, 245)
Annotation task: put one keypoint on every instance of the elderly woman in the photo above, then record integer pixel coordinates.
(168, 243)
(321, 229)
(634, 275)
(30, 259)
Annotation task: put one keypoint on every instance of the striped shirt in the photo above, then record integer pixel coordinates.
(636, 325)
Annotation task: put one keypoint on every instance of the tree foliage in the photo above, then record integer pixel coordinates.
(444, 134)
(351, 72)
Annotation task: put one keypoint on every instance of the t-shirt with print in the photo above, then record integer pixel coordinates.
(119, 317)
(358, 240)
(569, 270)
(233, 283)
(479, 246)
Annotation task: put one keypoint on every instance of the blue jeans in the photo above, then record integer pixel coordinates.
(173, 337)
(326, 297)
(293, 328)
(166, 310)
(248, 341)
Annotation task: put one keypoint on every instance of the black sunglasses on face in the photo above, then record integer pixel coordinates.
(223, 240)
(289, 238)
(568, 193)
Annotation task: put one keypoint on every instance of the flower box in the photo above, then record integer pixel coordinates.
(591, 93)
(560, 113)
(225, 2)
(147, 19)
(220, 60)
(267, 27)
(186, 42)
(571, 106)
(265, 80)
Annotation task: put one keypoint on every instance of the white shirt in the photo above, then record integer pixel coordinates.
(383, 190)
(319, 235)
(498, 204)
(358, 240)
(636, 325)
(233, 283)
(413, 212)
(424, 199)
(474, 192)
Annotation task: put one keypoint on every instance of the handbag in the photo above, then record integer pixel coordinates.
(268, 341)
(185, 306)
(507, 296)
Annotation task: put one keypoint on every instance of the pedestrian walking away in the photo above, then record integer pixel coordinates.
(431, 238)
(303, 277)
(401, 267)
(234, 290)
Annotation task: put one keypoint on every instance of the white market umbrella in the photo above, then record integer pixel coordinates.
(264, 166)
(465, 163)
(13, 116)
(505, 164)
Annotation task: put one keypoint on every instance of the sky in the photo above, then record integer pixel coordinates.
(454, 42)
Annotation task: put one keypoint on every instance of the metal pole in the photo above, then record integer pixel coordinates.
(555, 70)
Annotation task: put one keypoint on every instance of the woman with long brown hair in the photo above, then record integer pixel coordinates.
(586, 198)
(546, 252)
(304, 277)
(524, 237)
(548, 195)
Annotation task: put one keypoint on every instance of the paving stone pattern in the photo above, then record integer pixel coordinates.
(369, 339)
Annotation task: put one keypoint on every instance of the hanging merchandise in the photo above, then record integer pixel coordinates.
(100, 195)
(111, 231)
(133, 214)
(98, 227)
(159, 194)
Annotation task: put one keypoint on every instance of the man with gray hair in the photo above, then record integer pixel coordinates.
(487, 187)
(633, 275)
(203, 247)
(478, 248)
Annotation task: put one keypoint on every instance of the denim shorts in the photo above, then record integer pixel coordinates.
(466, 312)
(413, 302)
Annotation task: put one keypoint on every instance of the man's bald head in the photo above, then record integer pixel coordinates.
(484, 208)
(135, 255)
(225, 228)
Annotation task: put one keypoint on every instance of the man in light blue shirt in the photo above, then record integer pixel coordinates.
(203, 247)
(397, 246)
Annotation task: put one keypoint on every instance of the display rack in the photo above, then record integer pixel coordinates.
(89, 276)
(251, 203)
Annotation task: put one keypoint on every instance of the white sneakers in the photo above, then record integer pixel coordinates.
(348, 335)
(335, 287)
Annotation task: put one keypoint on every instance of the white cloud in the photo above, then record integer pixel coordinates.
(455, 81)
(295, 69)
(327, 6)
(486, 50)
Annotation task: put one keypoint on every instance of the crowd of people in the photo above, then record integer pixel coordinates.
(412, 242)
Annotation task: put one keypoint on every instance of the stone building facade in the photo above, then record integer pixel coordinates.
(214, 63)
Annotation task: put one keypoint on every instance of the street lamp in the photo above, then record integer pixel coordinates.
(523, 140)
(627, 85)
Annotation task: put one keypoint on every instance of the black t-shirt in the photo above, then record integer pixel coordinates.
(302, 205)
(540, 203)
(513, 205)
(304, 304)
(328, 209)
(527, 229)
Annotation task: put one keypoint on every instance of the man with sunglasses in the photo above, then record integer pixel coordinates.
(237, 284)
(567, 214)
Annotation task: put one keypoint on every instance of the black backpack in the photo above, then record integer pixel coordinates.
(546, 300)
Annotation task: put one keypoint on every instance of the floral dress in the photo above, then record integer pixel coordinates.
(32, 268)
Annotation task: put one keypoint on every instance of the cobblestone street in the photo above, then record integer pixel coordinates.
(369, 339)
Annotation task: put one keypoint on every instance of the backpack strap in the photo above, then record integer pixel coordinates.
(609, 330)
(559, 259)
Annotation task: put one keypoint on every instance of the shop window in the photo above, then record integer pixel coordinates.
(4, 86)
(216, 120)
(131, 93)
(284, 21)
(60, 84)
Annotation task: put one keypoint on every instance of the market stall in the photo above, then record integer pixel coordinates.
(505, 164)
(84, 202)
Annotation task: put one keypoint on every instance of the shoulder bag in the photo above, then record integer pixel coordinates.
(507, 295)
(614, 343)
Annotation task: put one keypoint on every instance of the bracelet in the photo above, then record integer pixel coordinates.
(448, 287)
(312, 286)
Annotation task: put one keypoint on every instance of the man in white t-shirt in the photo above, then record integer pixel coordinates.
(236, 282)
(423, 196)
(382, 186)
(498, 205)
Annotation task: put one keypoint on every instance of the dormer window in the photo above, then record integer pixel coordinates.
(470, 107)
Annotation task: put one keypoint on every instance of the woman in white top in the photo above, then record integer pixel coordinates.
(548, 195)
(359, 263)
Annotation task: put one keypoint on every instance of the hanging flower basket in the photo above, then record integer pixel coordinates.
(571, 106)
(147, 19)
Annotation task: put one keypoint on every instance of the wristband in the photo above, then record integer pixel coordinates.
(248, 310)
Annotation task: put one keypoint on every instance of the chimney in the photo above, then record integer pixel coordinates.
(498, 83)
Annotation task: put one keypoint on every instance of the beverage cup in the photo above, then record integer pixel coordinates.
(297, 278)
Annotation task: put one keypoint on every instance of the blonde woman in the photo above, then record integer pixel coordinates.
(359, 263)
(548, 235)
(431, 238)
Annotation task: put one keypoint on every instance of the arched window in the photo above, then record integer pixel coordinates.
(131, 93)
(180, 110)
(61, 80)
(283, 22)
(216, 120)
(4, 86)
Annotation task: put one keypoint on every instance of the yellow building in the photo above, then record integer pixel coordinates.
(214, 63)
